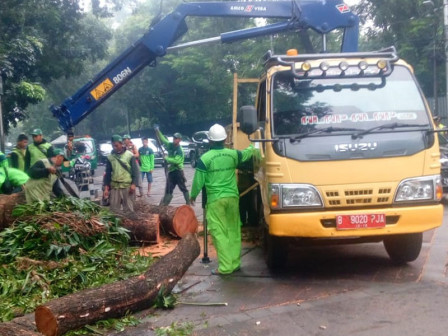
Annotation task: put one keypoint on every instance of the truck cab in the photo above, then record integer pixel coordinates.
(348, 153)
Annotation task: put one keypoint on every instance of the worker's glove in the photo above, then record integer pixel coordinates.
(192, 201)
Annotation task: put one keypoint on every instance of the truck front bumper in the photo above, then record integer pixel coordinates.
(319, 224)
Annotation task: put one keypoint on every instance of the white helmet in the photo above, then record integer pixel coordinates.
(217, 133)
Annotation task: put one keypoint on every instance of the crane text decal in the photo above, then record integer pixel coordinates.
(343, 8)
(102, 89)
(248, 8)
(122, 75)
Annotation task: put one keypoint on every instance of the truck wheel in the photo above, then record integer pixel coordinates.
(275, 251)
(193, 159)
(403, 248)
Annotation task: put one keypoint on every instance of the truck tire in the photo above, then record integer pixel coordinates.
(275, 251)
(403, 248)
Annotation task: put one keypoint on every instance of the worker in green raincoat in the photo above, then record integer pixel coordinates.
(38, 149)
(17, 156)
(11, 180)
(175, 160)
(216, 170)
(3, 160)
(44, 178)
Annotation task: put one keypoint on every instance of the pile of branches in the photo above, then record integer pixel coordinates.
(85, 226)
(59, 247)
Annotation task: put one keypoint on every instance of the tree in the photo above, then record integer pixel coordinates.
(413, 27)
(42, 41)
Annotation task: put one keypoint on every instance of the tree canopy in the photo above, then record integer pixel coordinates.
(61, 47)
(41, 41)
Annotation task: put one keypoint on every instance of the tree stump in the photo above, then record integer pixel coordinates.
(174, 221)
(7, 204)
(145, 230)
(114, 300)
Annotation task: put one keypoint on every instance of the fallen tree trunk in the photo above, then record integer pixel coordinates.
(23, 326)
(73, 311)
(14, 329)
(176, 221)
(7, 204)
(143, 230)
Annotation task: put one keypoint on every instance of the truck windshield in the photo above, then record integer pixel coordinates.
(301, 106)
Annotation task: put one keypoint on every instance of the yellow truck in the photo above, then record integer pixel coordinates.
(348, 153)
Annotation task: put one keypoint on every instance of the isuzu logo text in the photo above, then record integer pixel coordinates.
(363, 146)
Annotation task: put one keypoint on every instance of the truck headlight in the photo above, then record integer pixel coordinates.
(294, 196)
(420, 189)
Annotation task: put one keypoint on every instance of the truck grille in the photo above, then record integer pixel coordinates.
(358, 196)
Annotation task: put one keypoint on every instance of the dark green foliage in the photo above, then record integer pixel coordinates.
(42, 41)
(39, 262)
(415, 28)
(165, 301)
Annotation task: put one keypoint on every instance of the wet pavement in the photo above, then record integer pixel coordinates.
(336, 290)
(158, 188)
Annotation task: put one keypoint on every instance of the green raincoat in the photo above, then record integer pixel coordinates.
(217, 171)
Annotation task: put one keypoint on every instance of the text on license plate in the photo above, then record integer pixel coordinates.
(360, 221)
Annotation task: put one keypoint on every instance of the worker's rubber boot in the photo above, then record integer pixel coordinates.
(187, 198)
(166, 199)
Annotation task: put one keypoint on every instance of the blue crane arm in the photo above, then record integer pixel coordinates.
(321, 16)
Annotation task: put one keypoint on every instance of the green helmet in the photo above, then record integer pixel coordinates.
(177, 135)
(58, 151)
(116, 138)
(36, 131)
(126, 136)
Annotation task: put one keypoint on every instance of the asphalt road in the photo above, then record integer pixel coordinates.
(158, 187)
(344, 290)
(338, 290)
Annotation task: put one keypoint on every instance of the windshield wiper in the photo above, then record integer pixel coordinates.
(323, 130)
(386, 126)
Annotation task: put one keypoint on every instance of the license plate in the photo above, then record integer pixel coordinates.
(344, 222)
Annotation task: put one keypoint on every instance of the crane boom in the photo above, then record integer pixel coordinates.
(320, 16)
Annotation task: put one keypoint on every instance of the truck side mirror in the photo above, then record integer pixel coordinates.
(247, 117)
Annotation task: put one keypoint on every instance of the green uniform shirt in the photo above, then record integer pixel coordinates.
(121, 177)
(40, 189)
(38, 152)
(175, 157)
(146, 156)
(18, 158)
(15, 176)
(3, 160)
(216, 170)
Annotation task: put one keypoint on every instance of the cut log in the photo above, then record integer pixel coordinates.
(13, 329)
(70, 312)
(23, 326)
(174, 221)
(144, 230)
(7, 204)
